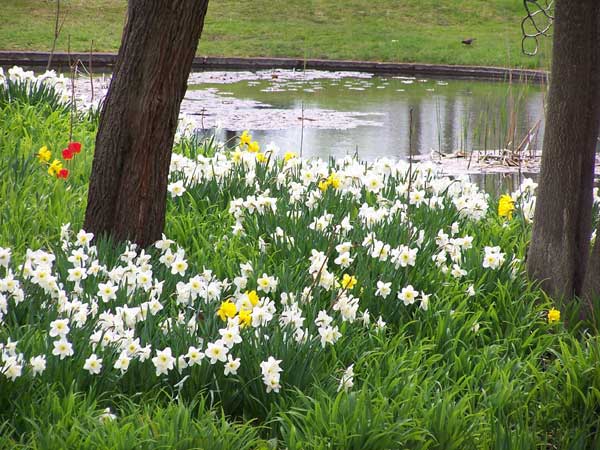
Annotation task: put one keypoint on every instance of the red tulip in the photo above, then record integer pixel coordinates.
(63, 173)
(67, 154)
(75, 147)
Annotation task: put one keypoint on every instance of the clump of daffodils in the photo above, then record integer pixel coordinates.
(354, 231)
(271, 371)
(49, 78)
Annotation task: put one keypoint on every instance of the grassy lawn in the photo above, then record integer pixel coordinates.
(425, 31)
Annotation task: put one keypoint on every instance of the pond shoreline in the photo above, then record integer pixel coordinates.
(106, 61)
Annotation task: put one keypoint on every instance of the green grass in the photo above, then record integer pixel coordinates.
(471, 372)
(426, 31)
(59, 419)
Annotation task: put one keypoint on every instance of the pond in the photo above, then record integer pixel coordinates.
(332, 114)
(337, 113)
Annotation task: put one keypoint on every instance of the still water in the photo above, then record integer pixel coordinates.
(332, 114)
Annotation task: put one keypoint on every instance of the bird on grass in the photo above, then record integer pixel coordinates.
(468, 41)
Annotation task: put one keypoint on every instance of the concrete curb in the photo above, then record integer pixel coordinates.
(106, 61)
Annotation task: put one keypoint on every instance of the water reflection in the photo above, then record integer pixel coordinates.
(500, 183)
(413, 116)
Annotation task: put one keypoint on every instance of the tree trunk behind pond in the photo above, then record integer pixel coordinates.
(127, 194)
(560, 243)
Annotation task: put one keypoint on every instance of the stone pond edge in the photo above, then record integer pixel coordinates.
(106, 61)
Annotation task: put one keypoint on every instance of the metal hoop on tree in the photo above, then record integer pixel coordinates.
(536, 23)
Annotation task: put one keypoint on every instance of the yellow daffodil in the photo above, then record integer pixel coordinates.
(245, 138)
(323, 185)
(289, 155)
(348, 281)
(253, 147)
(553, 315)
(334, 180)
(260, 157)
(43, 154)
(253, 297)
(506, 206)
(227, 309)
(245, 317)
(55, 168)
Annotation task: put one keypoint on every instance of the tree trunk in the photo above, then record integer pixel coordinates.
(128, 185)
(560, 243)
(591, 287)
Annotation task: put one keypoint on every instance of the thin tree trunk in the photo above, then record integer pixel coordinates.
(560, 243)
(591, 288)
(127, 194)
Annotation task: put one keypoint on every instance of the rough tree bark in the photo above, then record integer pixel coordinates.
(560, 244)
(128, 185)
(591, 287)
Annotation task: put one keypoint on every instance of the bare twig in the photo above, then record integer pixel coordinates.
(57, 29)
(91, 71)
(529, 137)
(470, 159)
(410, 153)
(302, 104)
(73, 67)
(302, 129)
(56, 33)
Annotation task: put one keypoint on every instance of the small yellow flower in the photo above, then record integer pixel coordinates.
(553, 315)
(43, 154)
(227, 309)
(253, 297)
(54, 168)
(348, 281)
(236, 156)
(245, 317)
(253, 147)
(245, 138)
(506, 206)
(260, 157)
(323, 185)
(289, 155)
(334, 180)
